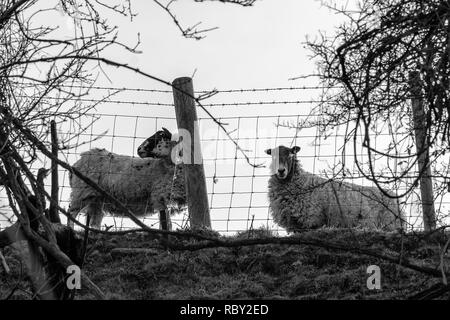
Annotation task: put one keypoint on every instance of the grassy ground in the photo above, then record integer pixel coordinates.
(254, 272)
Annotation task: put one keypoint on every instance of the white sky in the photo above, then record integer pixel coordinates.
(259, 46)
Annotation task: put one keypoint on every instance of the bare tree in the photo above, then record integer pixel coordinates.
(367, 69)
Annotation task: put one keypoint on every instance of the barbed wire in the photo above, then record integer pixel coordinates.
(106, 100)
(238, 90)
(204, 118)
(253, 103)
(151, 103)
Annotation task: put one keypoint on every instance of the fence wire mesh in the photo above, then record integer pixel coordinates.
(257, 119)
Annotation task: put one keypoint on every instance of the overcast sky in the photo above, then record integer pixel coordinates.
(258, 46)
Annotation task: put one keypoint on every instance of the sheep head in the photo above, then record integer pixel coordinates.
(283, 160)
(158, 145)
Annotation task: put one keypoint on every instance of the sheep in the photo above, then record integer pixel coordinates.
(143, 185)
(302, 200)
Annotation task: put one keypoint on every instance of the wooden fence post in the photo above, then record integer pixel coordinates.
(420, 131)
(183, 93)
(53, 210)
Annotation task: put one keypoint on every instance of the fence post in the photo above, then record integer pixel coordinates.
(53, 210)
(183, 93)
(423, 157)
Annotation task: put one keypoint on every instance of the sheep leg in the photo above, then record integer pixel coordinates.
(72, 213)
(94, 215)
(164, 224)
(344, 221)
(85, 240)
(164, 220)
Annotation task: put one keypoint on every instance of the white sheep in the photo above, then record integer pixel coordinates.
(143, 185)
(302, 200)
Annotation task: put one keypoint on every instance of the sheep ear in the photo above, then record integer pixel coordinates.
(268, 151)
(295, 149)
(167, 132)
(175, 137)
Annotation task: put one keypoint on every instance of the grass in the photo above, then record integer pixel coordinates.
(254, 272)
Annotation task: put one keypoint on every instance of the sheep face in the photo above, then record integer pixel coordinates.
(283, 160)
(157, 146)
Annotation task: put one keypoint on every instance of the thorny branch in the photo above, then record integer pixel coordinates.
(192, 32)
(189, 32)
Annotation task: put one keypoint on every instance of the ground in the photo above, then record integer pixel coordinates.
(253, 272)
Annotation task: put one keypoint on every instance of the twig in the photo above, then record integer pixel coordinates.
(3, 262)
(442, 264)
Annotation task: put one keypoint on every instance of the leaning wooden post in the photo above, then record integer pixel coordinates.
(423, 157)
(53, 210)
(183, 93)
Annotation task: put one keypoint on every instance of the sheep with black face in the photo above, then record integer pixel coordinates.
(144, 185)
(302, 200)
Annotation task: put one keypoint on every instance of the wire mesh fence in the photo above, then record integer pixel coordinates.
(237, 192)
